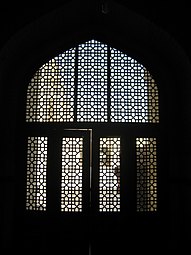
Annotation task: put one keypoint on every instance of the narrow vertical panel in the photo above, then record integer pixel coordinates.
(72, 170)
(36, 173)
(146, 174)
(109, 175)
(92, 82)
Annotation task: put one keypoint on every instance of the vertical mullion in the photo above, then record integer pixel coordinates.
(38, 92)
(76, 84)
(108, 84)
(95, 173)
(131, 173)
(86, 173)
(54, 168)
(36, 173)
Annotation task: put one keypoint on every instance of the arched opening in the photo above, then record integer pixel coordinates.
(95, 110)
(43, 223)
(83, 87)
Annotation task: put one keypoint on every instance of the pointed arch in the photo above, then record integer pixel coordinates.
(92, 82)
(127, 31)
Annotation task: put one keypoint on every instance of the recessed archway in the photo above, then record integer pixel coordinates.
(132, 34)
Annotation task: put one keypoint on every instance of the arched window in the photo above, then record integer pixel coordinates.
(92, 82)
(94, 106)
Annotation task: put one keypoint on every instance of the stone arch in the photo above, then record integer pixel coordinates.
(78, 21)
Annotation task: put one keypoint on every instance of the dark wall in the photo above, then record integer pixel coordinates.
(130, 32)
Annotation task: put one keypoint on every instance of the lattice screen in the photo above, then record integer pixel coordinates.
(92, 83)
(36, 173)
(146, 174)
(71, 182)
(50, 95)
(109, 175)
(134, 94)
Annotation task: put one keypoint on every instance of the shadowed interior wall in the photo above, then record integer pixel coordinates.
(58, 31)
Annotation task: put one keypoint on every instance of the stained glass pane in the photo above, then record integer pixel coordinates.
(109, 175)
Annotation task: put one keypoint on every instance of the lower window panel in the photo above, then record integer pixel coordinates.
(109, 174)
(36, 173)
(71, 180)
(146, 161)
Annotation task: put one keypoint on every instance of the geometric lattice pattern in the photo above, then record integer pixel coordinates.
(36, 173)
(109, 175)
(153, 98)
(146, 156)
(92, 83)
(134, 94)
(71, 180)
(50, 95)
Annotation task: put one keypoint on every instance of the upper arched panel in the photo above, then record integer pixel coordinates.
(92, 82)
